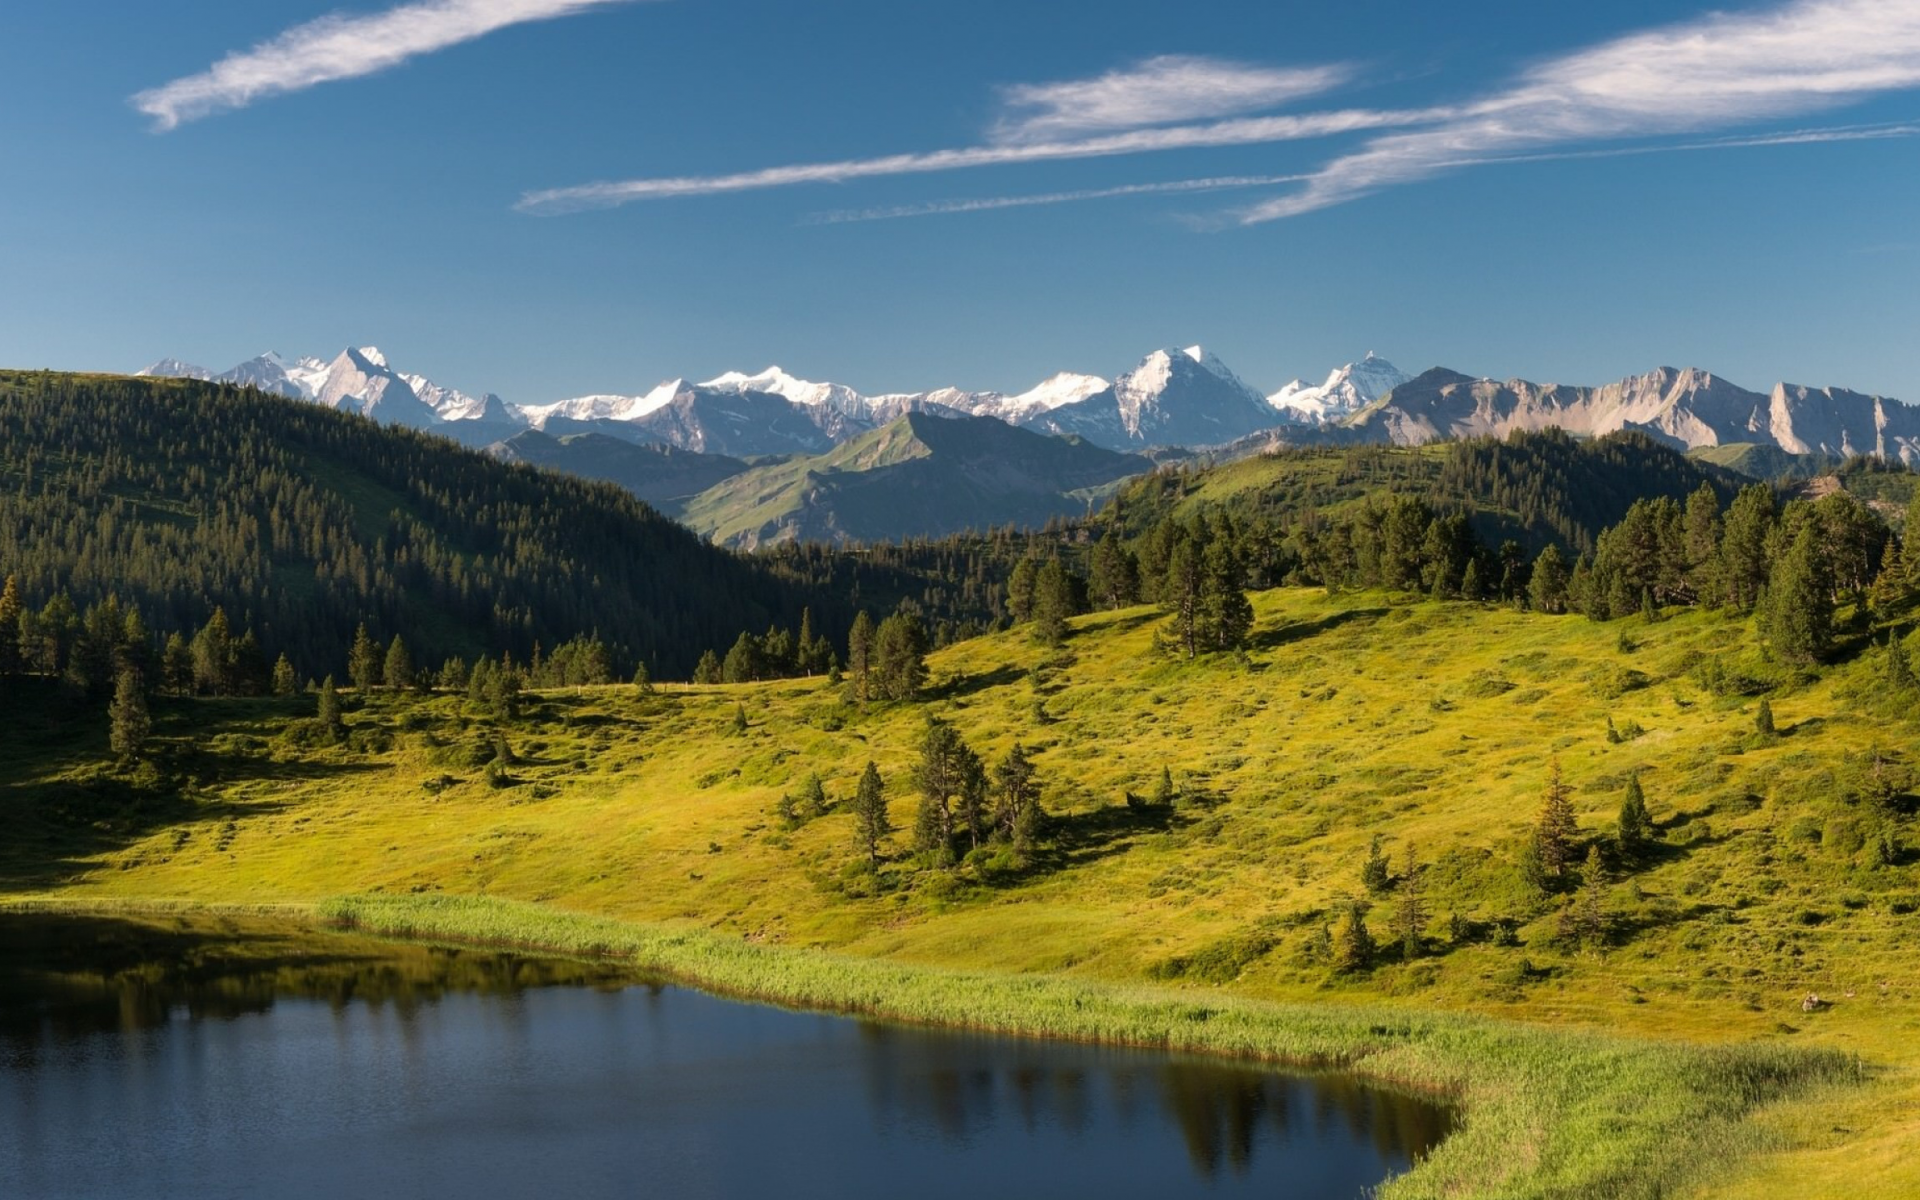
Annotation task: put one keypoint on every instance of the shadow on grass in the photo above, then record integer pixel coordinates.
(967, 685)
(1296, 631)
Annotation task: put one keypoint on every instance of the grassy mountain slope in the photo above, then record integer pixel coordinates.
(1532, 487)
(1430, 725)
(303, 522)
(919, 476)
(664, 476)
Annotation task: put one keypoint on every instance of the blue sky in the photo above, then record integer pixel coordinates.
(1559, 192)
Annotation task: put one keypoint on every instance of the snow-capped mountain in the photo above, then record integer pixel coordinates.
(1347, 390)
(1184, 397)
(173, 368)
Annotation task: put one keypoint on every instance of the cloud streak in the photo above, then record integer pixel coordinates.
(1725, 69)
(1245, 131)
(991, 203)
(341, 47)
(1167, 90)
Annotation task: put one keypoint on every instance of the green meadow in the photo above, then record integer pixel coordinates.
(1669, 1053)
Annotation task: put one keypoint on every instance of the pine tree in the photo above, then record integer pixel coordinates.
(1052, 603)
(213, 655)
(1226, 615)
(708, 669)
(1898, 673)
(1354, 948)
(642, 682)
(454, 674)
(176, 665)
(740, 725)
(900, 652)
(1635, 830)
(870, 823)
(947, 770)
(1547, 587)
(331, 726)
(1471, 587)
(860, 656)
(1376, 874)
(1116, 576)
(285, 682)
(10, 608)
(1018, 815)
(1021, 587)
(130, 723)
(1798, 616)
(397, 672)
(1181, 593)
(1763, 719)
(1741, 570)
(363, 661)
(1164, 795)
(813, 797)
(1554, 833)
(1592, 914)
(1410, 914)
(503, 692)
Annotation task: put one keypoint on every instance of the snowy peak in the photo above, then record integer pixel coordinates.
(775, 382)
(1347, 390)
(1065, 388)
(360, 381)
(173, 368)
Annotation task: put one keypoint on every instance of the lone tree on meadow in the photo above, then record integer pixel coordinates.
(1410, 913)
(1018, 814)
(1591, 915)
(1375, 873)
(1554, 833)
(1635, 830)
(948, 772)
(1763, 719)
(870, 823)
(130, 722)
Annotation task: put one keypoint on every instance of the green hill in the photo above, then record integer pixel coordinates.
(919, 476)
(664, 476)
(1533, 488)
(302, 522)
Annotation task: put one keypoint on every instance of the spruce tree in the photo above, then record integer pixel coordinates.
(900, 650)
(860, 656)
(332, 729)
(285, 682)
(1555, 831)
(363, 661)
(130, 723)
(1164, 794)
(707, 671)
(1017, 816)
(1354, 948)
(397, 672)
(1798, 616)
(813, 797)
(1226, 615)
(1376, 874)
(1763, 719)
(947, 771)
(642, 682)
(1547, 586)
(870, 822)
(213, 655)
(1116, 576)
(740, 725)
(1592, 914)
(1021, 588)
(10, 608)
(1410, 914)
(1634, 832)
(176, 665)
(1051, 603)
(1898, 672)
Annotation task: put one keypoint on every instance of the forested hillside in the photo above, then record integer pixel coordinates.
(1532, 488)
(179, 497)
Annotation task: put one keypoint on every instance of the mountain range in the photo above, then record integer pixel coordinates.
(757, 458)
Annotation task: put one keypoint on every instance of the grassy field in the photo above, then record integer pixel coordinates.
(1619, 1069)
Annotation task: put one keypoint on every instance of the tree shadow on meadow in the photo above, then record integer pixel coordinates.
(1298, 631)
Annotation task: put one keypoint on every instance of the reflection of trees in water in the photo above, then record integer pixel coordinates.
(69, 975)
(959, 1086)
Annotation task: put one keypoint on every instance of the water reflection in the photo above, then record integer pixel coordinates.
(253, 1057)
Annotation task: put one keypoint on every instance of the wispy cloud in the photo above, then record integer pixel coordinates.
(1167, 90)
(1244, 131)
(1723, 70)
(990, 203)
(341, 47)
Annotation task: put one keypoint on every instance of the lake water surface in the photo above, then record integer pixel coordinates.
(221, 1059)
